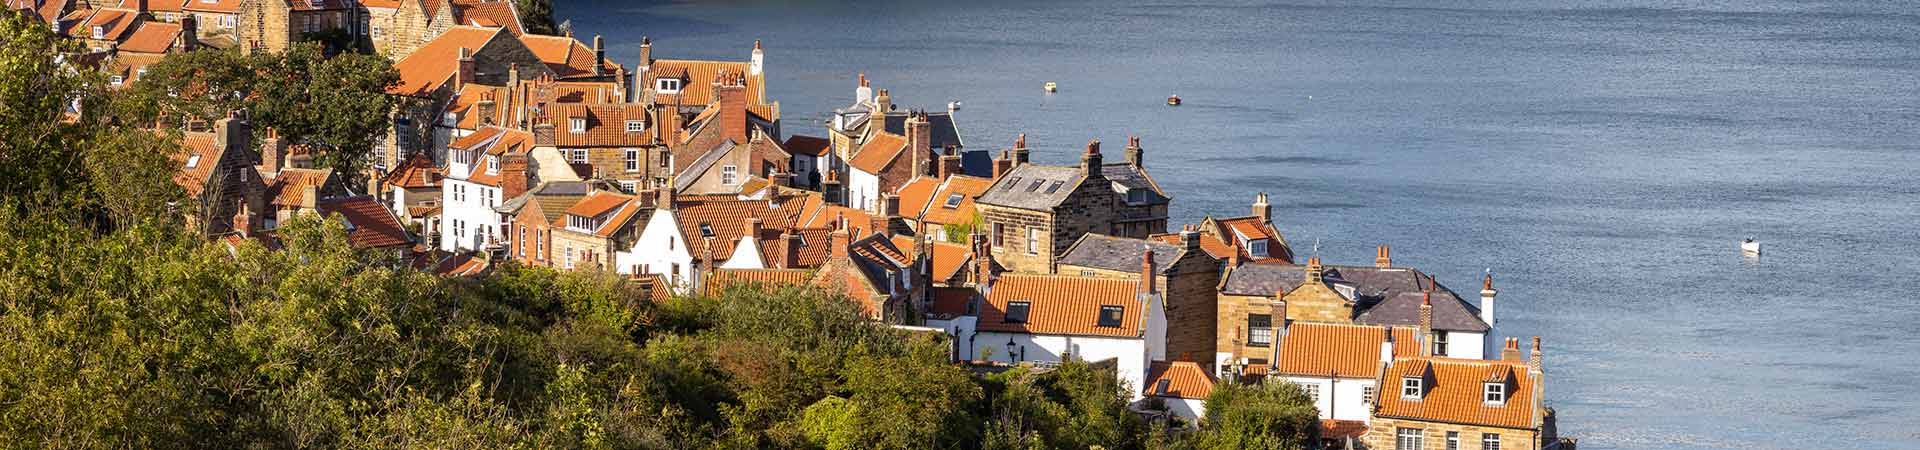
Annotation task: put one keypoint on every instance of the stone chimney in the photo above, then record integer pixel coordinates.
(837, 242)
(646, 57)
(189, 32)
(1190, 237)
(889, 213)
(1510, 352)
(753, 228)
(783, 179)
(1281, 326)
(919, 142)
(542, 131)
(883, 103)
(243, 221)
(830, 188)
(731, 91)
(1133, 151)
(466, 72)
(1426, 322)
(599, 55)
(790, 249)
(863, 92)
(1090, 162)
(487, 108)
(1149, 277)
(982, 259)
(273, 155)
(1262, 209)
(514, 176)
(949, 164)
(233, 133)
(1313, 270)
(1487, 292)
(1020, 152)
(1383, 257)
(757, 65)
(309, 196)
(1533, 361)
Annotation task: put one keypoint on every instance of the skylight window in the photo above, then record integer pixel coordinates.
(1036, 185)
(1110, 316)
(193, 161)
(1162, 387)
(1017, 311)
(1012, 183)
(1055, 186)
(706, 230)
(953, 200)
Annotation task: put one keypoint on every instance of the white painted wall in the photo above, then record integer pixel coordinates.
(1340, 398)
(659, 247)
(863, 190)
(746, 255)
(1465, 345)
(1129, 354)
(472, 211)
(1191, 410)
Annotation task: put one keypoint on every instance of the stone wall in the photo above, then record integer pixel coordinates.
(1011, 225)
(1230, 334)
(1191, 290)
(1381, 434)
(588, 251)
(1316, 302)
(1090, 209)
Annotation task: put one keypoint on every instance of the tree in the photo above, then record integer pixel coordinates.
(537, 16)
(38, 87)
(1265, 416)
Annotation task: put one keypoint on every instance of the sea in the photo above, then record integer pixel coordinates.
(1603, 158)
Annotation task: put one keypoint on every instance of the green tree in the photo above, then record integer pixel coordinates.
(1265, 416)
(537, 16)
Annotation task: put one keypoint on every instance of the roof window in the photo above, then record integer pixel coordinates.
(706, 230)
(1410, 387)
(193, 161)
(1496, 393)
(1036, 185)
(1110, 315)
(1012, 183)
(1162, 387)
(953, 200)
(1055, 186)
(1017, 311)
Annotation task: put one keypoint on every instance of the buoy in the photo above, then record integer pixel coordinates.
(1750, 247)
(1173, 100)
(1052, 87)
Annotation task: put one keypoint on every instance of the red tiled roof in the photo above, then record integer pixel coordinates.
(152, 37)
(417, 172)
(1184, 380)
(808, 145)
(1339, 350)
(198, 149)
(606, 125)
(112, 22)
(289, 186)
(371, 225)
(697, 78)
(724, 278)
(728, 222)
(1061, 304)
(567, 57)
(948, 258)
(878, 152)
(914, 194)
(491, 14)
(969, 188)
(437, 62)
(597, 203)
(1455, 392)
(813, 248)
(220, 6)
(47, 11)
(1342, 429)
(654, 285)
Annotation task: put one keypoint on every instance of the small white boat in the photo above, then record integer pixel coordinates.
(1052, 87)
(953, 105)
(1750, 247)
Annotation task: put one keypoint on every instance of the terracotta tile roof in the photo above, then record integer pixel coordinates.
(620, 219)
(606, 125)
(968, 188)
(388, 4)
(370, 225)
(879, 152)
(696, 88)
(1183, 380)
(152, 37)
(491, 14)
(113, 23)
(950, 302)
(565, 56)
(417, 172)
(494, 141)
(597, 203)
(466, 101)
(654, 285)
(199, 150)
(1062, 305)
(727, 220)
(1338, 350)
(172, 6)
(722, 279)
(48, 11)
(1455, 392)
(808, 145)
(914, 195)
(219, 6)
(1342, 429)
(128, 65)
(948, 258)
(1212, 245)
(288, 188)
(436, 63)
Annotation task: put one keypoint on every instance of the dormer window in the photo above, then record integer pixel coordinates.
(1496, 393)
(582, 223)
(1137, 195)
(1110, 316)
(1411, 387)
(635, 126)
(1257, 248)
(1017, 312)
(116, 80)
(493, 166)
(577, 125)
(99, 32)
(953, 200)
(667, 85)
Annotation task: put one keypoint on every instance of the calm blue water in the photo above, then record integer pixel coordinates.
(1602, 156)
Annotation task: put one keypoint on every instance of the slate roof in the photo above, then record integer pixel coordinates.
(371, 224)
(940, 123)
(1017, 188)
(700, 166)
(1183, 380)
(1117, 253)
(1449, 314)
(1128, 178)
(1062, 305)
(808, 145)
(1263, 279)
(1455, 392)
(1390, 296)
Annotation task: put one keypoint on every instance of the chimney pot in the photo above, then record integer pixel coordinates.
(1149, 278)
(1383, 257)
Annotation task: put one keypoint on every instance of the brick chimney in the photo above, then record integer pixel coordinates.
(919, 142)
(189, 32)
(1383, 257)
(1148, 276)
(542, 131)
(646, 57)
(513, 175)
(1426, 322)
(982, 259)
(599, 55)
(949, 164)
(1133, 151)
(790, 249)
(466, 72)
(1278, 316)
(1262, 209)
(863, 92)
(243, 221)
(830, 188)
(487, 108)
(837, 242)
(753, 228)
(889, 213)
(1190, 237)
(1002, 165)
(1511, 350)
(1020, 152)
(1090, 162)
(731, 91)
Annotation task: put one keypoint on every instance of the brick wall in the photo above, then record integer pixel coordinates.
(1381, 434)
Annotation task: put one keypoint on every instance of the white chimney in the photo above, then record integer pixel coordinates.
(1486, 299)
(1386, 347)
(758, 62)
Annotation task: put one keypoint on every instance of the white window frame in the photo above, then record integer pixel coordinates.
(493, 165)
(1257, 248)
(577, 125)
(1312, 390)
(635, 126)
(1439, 343)
(1259, 336)
(1409, 439)
(1453, 440)
(99, 32)
(1033, 240)
(629, 186)
(1412, 387)
(729, 175)
(1489, 441)
(633, 159)
(577, 156)
(1366, 395)
(1494, 393)
(667, 85)
(117, 80)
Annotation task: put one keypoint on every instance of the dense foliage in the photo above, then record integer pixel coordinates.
(124, 330)
(537, 16)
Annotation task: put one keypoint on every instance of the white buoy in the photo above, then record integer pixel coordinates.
(1750, 247)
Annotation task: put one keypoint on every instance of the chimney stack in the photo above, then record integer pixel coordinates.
(1383, 257)
(466, 72)
(862, 92)
(1533, 361)
(753, 228)
(982, 259)
(919, 142)
(1190, 237)
(189, 32)
(830, 187)
(1386, 347)
(1262, 209)
(1426, 323)
(949, 164)
(837, 242)
(1002, 165)
(309, 196)
(233, 133)
(731, 90)
(757, 65)
(243, 221)
(1487, 292)
(599, 55)
(1510, 352)
(882, 103)
(1020, 152)
(790, 249)
(889, 213)
(513, 175)
(1133, 151)
(1149, 278)
(1090, 162)
(646, 55)
(487, 108)
(273, 155)
(1313, 270)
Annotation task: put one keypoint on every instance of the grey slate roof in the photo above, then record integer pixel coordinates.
(700, 166)
(1117, 253)
(945, 132)
(1126, 177)
(1017, 189)
(1390, 296)
(547, 188)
